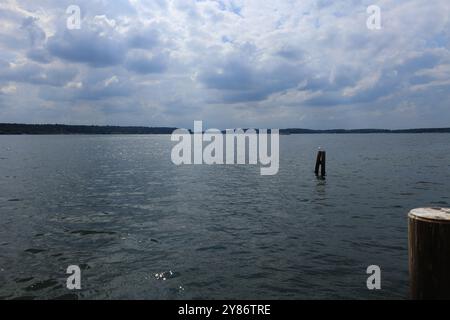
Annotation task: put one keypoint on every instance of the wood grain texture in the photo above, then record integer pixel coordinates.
(429, 253)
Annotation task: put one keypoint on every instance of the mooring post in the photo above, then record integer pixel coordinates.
(429, 253)
(321, 163)
(323, 172)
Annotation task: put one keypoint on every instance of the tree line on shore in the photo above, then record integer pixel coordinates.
(16, 129)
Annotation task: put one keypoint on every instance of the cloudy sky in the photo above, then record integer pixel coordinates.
(230, 63)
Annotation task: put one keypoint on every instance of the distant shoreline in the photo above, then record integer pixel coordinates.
(59, 129)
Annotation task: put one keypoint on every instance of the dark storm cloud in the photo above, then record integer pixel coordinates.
(140, 62)
(101, 45)
(35, 74)
(39, 55)
(144, 38)
(87, 47)
(239, 80)
(391, 80)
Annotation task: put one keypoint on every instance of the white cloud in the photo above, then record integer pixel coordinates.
(8, 89)
(229, 62)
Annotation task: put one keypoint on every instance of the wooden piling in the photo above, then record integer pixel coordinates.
(321, 164)
(323, 171)
(429, 253)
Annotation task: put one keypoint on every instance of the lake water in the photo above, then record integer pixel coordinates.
(140, 227)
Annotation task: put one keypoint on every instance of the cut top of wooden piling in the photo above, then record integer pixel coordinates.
(441, 215)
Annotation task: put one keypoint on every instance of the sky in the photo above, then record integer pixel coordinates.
(230, 63)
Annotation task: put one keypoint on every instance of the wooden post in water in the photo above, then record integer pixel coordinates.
(429, 253)
(321, 163)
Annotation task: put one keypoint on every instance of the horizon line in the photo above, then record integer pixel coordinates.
(2, 124)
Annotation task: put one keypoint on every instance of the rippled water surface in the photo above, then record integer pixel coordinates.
(140, 227)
